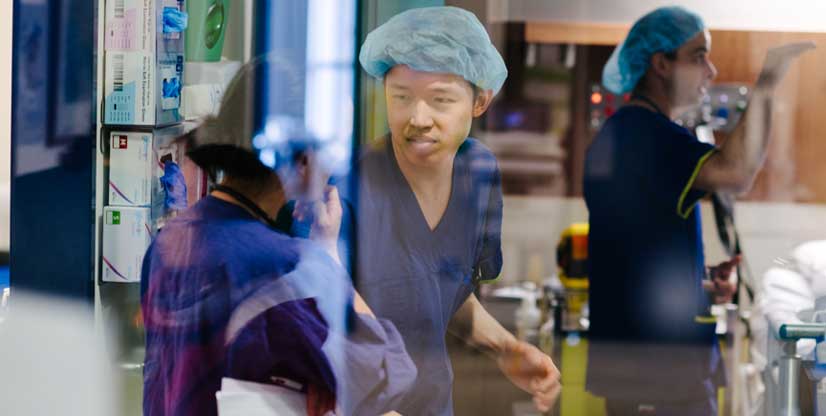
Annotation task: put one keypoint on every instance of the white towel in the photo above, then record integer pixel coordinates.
(244, 398)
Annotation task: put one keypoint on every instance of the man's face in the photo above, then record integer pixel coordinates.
(693, 71)
(429, 114)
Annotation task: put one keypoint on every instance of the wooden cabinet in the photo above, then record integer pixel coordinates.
(794, 169)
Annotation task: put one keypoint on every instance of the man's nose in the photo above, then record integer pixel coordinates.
(421, 117)
(712, 71)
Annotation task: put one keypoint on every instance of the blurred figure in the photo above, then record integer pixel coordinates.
(794, 288)
(226, 295)
(430, 203)
(51, 360)
(654, 347)
(793, 291)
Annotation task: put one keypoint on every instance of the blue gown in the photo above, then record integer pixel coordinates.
(225, 296)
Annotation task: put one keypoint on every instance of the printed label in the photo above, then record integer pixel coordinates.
(113, 218)
(122, 28)
(120, 141)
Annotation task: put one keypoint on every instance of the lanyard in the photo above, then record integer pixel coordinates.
(648, 101)
(247, 203)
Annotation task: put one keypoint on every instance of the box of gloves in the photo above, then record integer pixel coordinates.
(204, 86)
(126, 235)
(143, 61)
(132, 168)
(150, 169)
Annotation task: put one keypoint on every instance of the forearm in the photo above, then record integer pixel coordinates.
(478, 328)
(332, 250)
(745, 151)
(735, 166)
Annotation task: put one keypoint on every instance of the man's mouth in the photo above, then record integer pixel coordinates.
(421, 139)
(422, 144)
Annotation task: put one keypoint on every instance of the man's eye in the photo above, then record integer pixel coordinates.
(445, 100)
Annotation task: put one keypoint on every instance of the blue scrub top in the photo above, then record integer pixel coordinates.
(417, 277)
(225, 296)
(646, 260)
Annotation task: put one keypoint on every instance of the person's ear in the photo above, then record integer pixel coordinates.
(662, 66)
(482, 102)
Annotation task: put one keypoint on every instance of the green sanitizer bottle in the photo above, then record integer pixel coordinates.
(207, 25)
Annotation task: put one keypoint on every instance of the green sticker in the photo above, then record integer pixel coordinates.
(115, 218)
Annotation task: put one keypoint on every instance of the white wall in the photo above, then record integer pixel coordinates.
(771, 15)
(531, 227)
(5, 120)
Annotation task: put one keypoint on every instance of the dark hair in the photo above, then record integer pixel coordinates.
(230, 161)
(638, 89)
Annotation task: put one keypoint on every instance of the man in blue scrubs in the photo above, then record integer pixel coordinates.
(430, 203)
(653, 342)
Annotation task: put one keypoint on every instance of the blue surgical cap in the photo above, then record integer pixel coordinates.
(435, 39)
(663, 30)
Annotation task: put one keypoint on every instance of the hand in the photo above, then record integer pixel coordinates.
(533, 371)
(721, 285)
(777, 63)
(326, 215)
(319, 401)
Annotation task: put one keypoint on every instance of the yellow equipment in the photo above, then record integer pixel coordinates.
(572, 260)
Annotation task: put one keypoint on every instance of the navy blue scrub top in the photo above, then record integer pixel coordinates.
(214, 263)
(646, 257)
(418, 278)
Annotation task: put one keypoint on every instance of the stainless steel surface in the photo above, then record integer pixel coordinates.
(789, 376)
(794, 332)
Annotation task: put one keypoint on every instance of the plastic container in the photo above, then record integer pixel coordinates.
(528, 318)
(207, 26)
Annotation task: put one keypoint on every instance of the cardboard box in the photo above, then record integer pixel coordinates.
(126, 236)
(136, 164)
(131, 168)
(220, 73)
(143, 66)
(204, 86)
